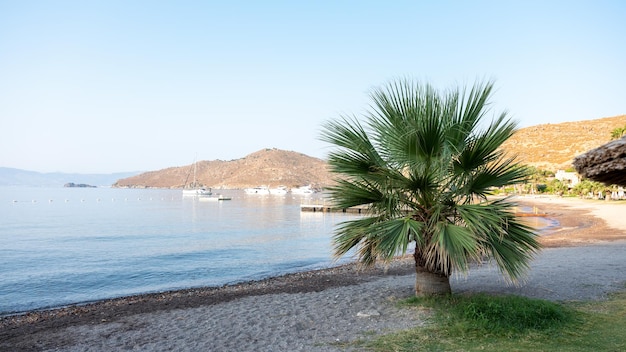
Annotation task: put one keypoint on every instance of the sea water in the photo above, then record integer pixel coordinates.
(61, 246)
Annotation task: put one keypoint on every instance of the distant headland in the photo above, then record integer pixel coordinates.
(78, 185)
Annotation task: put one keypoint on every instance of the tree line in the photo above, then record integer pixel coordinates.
(544, 182)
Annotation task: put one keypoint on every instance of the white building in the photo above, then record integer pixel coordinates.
(569, 178)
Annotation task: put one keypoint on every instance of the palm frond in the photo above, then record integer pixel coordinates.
(503, 237)
(350, 234)
(455, 243)
(347, 194)
(395, 235)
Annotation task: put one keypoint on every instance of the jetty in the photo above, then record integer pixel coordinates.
(328, 207)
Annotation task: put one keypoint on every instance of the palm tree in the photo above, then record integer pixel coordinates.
(424, 167)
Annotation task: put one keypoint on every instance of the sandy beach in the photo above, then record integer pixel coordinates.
(324, 310)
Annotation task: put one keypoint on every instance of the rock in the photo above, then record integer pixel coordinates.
(368, 313)
(606, 164)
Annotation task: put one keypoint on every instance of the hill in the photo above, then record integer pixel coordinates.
(554, 146)
(271, 167)
(547, 146)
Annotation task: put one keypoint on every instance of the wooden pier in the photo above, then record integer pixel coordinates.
(324, 207)
(329, 208)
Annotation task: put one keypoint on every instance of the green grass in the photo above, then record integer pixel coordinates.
(512, 323)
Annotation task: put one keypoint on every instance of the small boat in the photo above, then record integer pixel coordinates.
(258, 190)
(280, 190)
(194, 189)
(197, 192)
(304, 190)
(217, 198)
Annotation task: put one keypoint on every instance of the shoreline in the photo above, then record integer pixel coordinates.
(583, 224)
(298, 282)
(581, 221)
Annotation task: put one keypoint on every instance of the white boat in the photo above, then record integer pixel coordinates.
(219, 197)
(258, 190)
(304, 190)
(197, 192)
(194, 189)
(280, 190)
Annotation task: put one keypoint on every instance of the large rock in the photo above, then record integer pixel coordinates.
(606, 164)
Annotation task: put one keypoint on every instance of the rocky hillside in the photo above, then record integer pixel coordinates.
(554, 146)
(270, 167)
(548, 146)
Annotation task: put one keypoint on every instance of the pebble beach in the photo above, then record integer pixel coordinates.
(330, 309)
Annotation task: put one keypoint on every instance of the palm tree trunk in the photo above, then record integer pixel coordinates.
(428, 283)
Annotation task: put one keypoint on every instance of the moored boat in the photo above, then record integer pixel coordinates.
(303, 190)
(216, 198)
(197, 192)
(258, 190)
(194, 189)
(280, 190)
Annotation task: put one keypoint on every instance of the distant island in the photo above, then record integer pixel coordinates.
(78, 185)
(17, 177)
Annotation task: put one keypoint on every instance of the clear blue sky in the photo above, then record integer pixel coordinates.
(111, 86)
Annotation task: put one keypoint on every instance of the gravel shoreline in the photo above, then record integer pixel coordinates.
(320, 310)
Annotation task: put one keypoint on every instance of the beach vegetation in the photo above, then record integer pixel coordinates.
(512, 323)
(424, 163)
(588, 188)
(556, 186)
(618, 132)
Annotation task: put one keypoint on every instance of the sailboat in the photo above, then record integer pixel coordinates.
(194, 188)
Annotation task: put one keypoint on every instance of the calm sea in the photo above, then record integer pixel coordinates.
(60, 246)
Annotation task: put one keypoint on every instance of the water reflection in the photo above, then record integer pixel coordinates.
(537, 219)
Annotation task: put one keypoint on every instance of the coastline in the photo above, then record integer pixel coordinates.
(321, 310)
(581, 221)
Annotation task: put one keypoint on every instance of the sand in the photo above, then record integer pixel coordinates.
(326, 310)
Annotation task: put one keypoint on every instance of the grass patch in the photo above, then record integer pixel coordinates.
(512, 323)
(504, 315)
